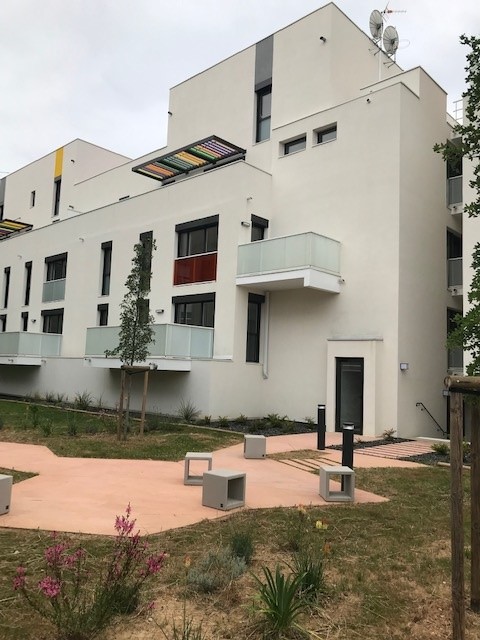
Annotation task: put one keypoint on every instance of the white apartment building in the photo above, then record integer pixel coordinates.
(306, 250)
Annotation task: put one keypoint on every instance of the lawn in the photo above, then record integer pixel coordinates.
(387, 565)
(88, 435)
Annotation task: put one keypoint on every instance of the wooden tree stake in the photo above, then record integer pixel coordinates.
(457, 537)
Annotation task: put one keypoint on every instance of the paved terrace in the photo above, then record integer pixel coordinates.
(85, 494)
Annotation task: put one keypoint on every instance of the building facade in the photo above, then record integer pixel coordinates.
(308, 250)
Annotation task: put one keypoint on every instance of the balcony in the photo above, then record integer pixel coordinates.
(19, 347)
(201, 268)
(173, 348)
(290, 262)
(455, 276)
(455, 360)
(53, 290)
(454, 192)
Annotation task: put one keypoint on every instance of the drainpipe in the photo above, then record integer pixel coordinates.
(266, 328)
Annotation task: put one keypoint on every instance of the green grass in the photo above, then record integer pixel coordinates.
(387, 572)
(96, 435)
(18, 476)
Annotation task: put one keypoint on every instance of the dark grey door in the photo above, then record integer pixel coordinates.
(349, 393)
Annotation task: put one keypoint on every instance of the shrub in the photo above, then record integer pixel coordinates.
(187, 411)
(46, 428)
(79, 598)
(50, 397)
(71, 424)
(60, 398)
(241, 546)
(223, 422)
(83, 400)
(91, 429)
(207, 420)
(215, 571)
(241, 420)
(389, 434)
(33, 415)
(309, 567)
(280, 606)
(310, 421)
(441, 448)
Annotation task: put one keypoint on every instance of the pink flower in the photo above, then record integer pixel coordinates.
(19, 580)
(53, 555)
(154, 564)
(74, 558)
(49, 587)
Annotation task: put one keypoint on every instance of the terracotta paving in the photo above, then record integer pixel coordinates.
(85, 494)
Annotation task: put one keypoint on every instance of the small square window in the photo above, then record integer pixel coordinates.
(292, 146)
(327, 134)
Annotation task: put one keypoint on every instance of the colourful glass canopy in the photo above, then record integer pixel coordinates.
(199, 155)
(8, 227)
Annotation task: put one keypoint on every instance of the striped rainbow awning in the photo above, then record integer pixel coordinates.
(199, 155)
(8, 227)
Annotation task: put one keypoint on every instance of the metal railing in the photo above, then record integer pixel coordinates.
(455, 273)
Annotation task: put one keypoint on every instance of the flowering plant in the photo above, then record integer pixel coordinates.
(79, 597)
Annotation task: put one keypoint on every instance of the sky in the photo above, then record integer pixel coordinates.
(101, 70)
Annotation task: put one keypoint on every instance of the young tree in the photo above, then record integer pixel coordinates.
(467, 331)
(136, 332)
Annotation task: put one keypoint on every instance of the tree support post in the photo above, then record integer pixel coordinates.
(475, 508)
(144, 402)
(120, 405)
(456, 513)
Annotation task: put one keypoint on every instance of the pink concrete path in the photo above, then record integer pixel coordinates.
(83, 495)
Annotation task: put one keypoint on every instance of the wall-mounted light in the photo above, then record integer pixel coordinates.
(159, 311)
(403, 366)
(245, 223)
(33, 320)
(323, 39)
(81, 239)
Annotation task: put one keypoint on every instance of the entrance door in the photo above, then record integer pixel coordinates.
(349, 393)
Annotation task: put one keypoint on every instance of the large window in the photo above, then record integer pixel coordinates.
(102, 311)
(52, 321)
(264, 113)
(198, 236)
(56, 267)
(198, 310)
(106, 267)
(254, 318)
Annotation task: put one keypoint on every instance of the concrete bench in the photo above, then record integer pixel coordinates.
(254, 447)
(5, 493)
(346, 474)
(223, 489)
(192, 455)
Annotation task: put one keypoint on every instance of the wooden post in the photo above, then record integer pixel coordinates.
(120, 405)
(457, 538)
(475, 508)
(144, 401)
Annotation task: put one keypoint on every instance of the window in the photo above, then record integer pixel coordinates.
(6, 286)
(52, 321)
(24, 317)
(28, 282)
(264, 113)
(326, 134)
(198, 236)
(57, 186)
(32, 199)
(3, 323)
(1, 211)
(292, 146)
(258, 228)
(102, 310)
(254, 317)
(106, 268)
(198, 310)
(56, 267)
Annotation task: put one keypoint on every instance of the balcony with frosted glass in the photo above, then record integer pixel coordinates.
(455, 192)
(53, 290)
(21, 347)
(290, 262)
(173, 348)
(455, 276)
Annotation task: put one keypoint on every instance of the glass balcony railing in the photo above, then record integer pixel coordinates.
(455, 358)
(170, 341)
(455, 274)
(53, 290)
(19, 343)
(300, 251)
(454, 190)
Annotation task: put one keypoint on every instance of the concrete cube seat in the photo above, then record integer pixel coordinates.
(193, 455)
(223, 489)
(347, 494)
(5, 493)
(254, 447)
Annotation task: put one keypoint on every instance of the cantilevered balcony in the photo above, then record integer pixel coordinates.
(455, 276)
(454, 191)
(20, 347)
(53, 290)
(290, 262)
(173, 348)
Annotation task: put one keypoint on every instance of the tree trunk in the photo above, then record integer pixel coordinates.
(126, 424)
(457, 537)
(120, 406)
(475, 508)
(144, 401)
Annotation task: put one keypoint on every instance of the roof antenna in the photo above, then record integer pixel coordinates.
(387, 36)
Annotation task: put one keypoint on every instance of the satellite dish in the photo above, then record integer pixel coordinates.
(390, 40)
(376, 24)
